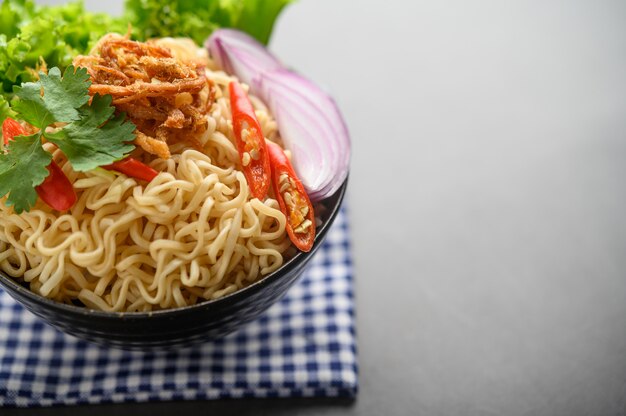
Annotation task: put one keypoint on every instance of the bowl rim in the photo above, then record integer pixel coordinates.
(8, 283)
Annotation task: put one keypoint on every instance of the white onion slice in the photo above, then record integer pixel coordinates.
(308, 119)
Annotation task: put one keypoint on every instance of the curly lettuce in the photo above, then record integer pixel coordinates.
(197, 19)
(38, 44)
(32, 35)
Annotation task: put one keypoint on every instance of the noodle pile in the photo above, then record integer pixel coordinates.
(192, 233)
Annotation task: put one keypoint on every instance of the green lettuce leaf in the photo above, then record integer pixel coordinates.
(258, 17)
(55, 34)
(199, 18)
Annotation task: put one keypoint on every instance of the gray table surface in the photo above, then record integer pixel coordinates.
(487, 204)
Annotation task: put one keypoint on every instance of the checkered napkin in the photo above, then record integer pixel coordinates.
(302, 346)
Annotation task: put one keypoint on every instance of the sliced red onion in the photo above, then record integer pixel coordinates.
(239, 54)
(299, 99)
(308, 119)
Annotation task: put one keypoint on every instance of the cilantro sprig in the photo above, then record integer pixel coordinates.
(22, 168)
(92, 135)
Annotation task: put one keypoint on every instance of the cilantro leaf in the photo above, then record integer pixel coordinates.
(61, 97)
(95, 140)
(22, 168)
(31, 106)
(92, 137)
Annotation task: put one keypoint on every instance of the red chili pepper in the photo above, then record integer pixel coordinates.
(250, 142)
(292, 198)
(56, 190)
(10, 129)
(133, 168)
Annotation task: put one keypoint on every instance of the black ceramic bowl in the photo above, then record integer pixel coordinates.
(180, 327)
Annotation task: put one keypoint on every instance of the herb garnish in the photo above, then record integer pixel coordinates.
(91, 135)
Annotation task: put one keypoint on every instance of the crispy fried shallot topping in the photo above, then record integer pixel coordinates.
(165, 96)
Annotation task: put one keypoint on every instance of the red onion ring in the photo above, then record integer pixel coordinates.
(308, 119)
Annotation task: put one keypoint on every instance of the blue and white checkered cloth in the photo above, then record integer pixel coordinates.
(303, 346)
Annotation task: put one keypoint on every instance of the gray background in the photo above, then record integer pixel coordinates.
(487, 204)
